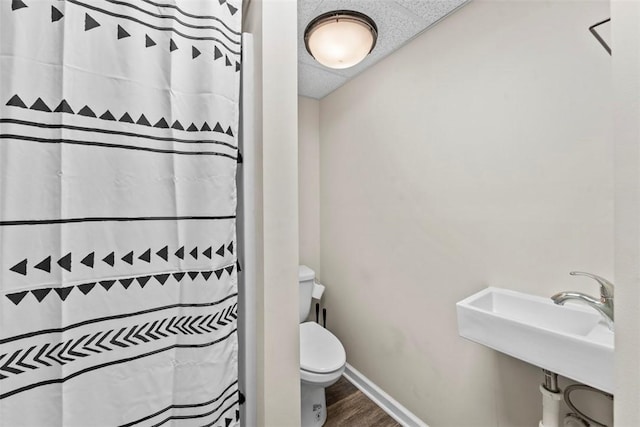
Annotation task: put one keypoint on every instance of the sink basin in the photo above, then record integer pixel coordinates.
(569, 340)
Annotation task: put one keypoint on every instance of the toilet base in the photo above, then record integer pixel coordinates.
(314, 405)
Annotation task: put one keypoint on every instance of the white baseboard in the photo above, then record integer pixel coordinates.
(382, 399)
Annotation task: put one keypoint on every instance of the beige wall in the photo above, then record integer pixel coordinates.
(626, 73)
(479, 154)
(309, 181)
(274, 23)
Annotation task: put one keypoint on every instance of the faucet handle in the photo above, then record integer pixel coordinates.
(606, 287)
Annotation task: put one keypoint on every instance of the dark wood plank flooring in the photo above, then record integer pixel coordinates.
(348, 406)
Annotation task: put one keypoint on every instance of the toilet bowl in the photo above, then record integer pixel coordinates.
(322, 362)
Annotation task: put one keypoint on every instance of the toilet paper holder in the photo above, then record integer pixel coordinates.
(318, 290)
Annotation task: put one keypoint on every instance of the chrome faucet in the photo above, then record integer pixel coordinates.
(604, 305)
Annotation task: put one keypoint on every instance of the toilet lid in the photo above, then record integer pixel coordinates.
(320, 350)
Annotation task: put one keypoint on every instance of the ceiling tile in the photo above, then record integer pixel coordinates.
(431, 10)
(314, 82)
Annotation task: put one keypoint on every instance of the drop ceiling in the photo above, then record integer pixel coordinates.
(398, 22)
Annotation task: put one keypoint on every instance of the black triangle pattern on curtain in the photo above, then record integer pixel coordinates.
(56, 15)
(161, 124)
(112, 271)
(88, 260)
(107, 116)
(90, 23)
(148, 41)
(15, 101)
(86, 111)
(17, 4)
(86, 288)
(143, 121)
(128, 258)
(122, 33)
(164, 253)
(110, 259)
(40, 106)
(64, 107)
(44, 265)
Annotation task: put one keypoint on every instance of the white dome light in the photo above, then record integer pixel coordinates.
(340, 39)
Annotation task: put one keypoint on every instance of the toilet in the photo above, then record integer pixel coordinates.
(322, 356)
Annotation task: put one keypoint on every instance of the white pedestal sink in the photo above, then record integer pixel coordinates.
(569, 340)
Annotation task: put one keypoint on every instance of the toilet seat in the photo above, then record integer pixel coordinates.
(321, 353)
(320, 380)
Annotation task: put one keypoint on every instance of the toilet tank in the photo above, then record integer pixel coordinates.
(306, 277)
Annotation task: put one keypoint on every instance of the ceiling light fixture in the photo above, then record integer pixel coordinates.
(340, 39)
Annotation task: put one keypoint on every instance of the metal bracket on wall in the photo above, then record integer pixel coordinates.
(598, 36)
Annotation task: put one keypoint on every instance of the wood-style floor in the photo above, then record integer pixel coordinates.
(349, 407)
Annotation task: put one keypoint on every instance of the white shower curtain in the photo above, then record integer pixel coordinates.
(118, 153)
